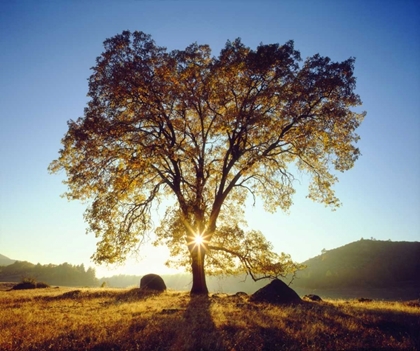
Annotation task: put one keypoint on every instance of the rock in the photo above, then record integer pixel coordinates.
(312, 297)
(277, 292)
(152, 282)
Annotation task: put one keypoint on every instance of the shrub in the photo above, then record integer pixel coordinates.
(42, 285)
(30, 283)
(23, 285)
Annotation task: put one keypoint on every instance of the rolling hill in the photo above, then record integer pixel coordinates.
(365, 265)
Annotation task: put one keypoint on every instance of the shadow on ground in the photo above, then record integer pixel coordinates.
(233, 323)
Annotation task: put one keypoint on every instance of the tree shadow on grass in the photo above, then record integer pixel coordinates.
(233, 323)
(199, 329)
(255, 330)
(188, 328)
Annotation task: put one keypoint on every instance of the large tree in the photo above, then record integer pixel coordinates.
(207, 132)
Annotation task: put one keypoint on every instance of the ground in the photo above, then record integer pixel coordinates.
(129, 319)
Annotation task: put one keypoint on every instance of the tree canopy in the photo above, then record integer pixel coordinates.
(206, 132)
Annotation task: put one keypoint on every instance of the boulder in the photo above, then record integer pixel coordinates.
(152, 282)
(312, 297)
(277, 292)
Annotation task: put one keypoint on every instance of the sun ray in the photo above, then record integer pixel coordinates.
(198, 240)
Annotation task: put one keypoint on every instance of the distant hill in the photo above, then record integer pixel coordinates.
(368, 268)
(365, 263)
(5, 261)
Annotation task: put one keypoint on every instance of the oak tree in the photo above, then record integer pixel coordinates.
(206, 132)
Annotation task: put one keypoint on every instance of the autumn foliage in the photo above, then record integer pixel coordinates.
(206, 132)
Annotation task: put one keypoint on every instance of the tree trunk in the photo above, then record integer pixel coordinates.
(199, 286)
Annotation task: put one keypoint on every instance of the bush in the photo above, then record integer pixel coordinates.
(30, 283)
(23, 285)
(42, 285)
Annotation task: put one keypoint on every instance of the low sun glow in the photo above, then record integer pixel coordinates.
(198, 239)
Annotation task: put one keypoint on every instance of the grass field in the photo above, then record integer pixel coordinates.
(129, 319)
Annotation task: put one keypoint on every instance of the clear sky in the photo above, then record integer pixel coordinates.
(48, 47)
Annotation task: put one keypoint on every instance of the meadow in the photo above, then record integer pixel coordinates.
(130, 319)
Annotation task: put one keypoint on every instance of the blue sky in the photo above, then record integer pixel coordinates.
(48, 47)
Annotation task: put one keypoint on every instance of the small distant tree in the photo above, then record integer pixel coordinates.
(206, 132)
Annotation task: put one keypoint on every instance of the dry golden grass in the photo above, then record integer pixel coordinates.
(115, 319)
